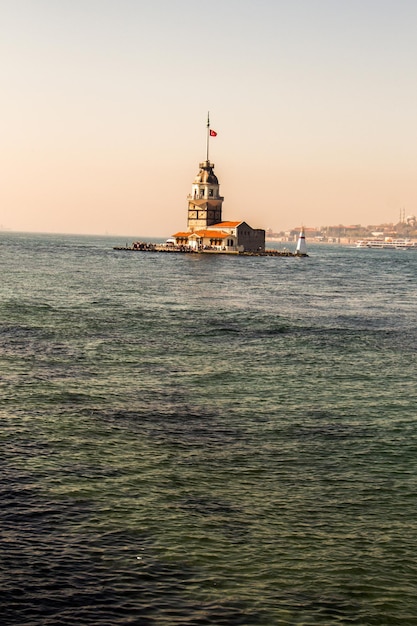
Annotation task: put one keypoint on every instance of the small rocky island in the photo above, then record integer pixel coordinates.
(207, 232)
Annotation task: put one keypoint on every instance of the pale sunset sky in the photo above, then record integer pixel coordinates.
(104, 106)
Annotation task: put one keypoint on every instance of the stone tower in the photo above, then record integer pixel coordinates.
(204, 202)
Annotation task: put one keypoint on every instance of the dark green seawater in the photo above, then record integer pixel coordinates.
(190, 440)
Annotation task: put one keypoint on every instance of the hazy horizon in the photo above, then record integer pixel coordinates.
(105, 105)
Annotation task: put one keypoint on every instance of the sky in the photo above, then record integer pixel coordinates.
(104, 106)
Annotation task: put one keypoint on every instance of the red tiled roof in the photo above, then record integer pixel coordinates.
(207, 233)
(227, 224)
(213, 234)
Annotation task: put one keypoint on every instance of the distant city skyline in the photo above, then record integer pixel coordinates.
(105, 105)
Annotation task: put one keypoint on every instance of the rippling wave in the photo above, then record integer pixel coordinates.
(192, 440)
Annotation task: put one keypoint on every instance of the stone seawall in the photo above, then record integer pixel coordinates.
(149, 247)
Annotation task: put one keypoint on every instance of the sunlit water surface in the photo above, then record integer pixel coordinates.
(190, 439)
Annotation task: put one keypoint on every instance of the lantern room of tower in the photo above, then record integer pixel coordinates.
(206, 184)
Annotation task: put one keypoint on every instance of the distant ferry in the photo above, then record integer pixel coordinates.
(387, 244)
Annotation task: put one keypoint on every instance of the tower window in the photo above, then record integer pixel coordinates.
(210, 192)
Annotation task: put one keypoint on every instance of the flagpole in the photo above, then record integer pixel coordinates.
(208, 134)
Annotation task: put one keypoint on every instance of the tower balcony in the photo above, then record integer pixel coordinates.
(196, 199)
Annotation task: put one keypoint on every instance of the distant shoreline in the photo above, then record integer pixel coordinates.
(343, 241)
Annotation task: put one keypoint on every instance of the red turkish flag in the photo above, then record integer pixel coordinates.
(213, 133)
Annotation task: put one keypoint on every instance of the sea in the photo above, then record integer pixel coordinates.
(204, 439)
